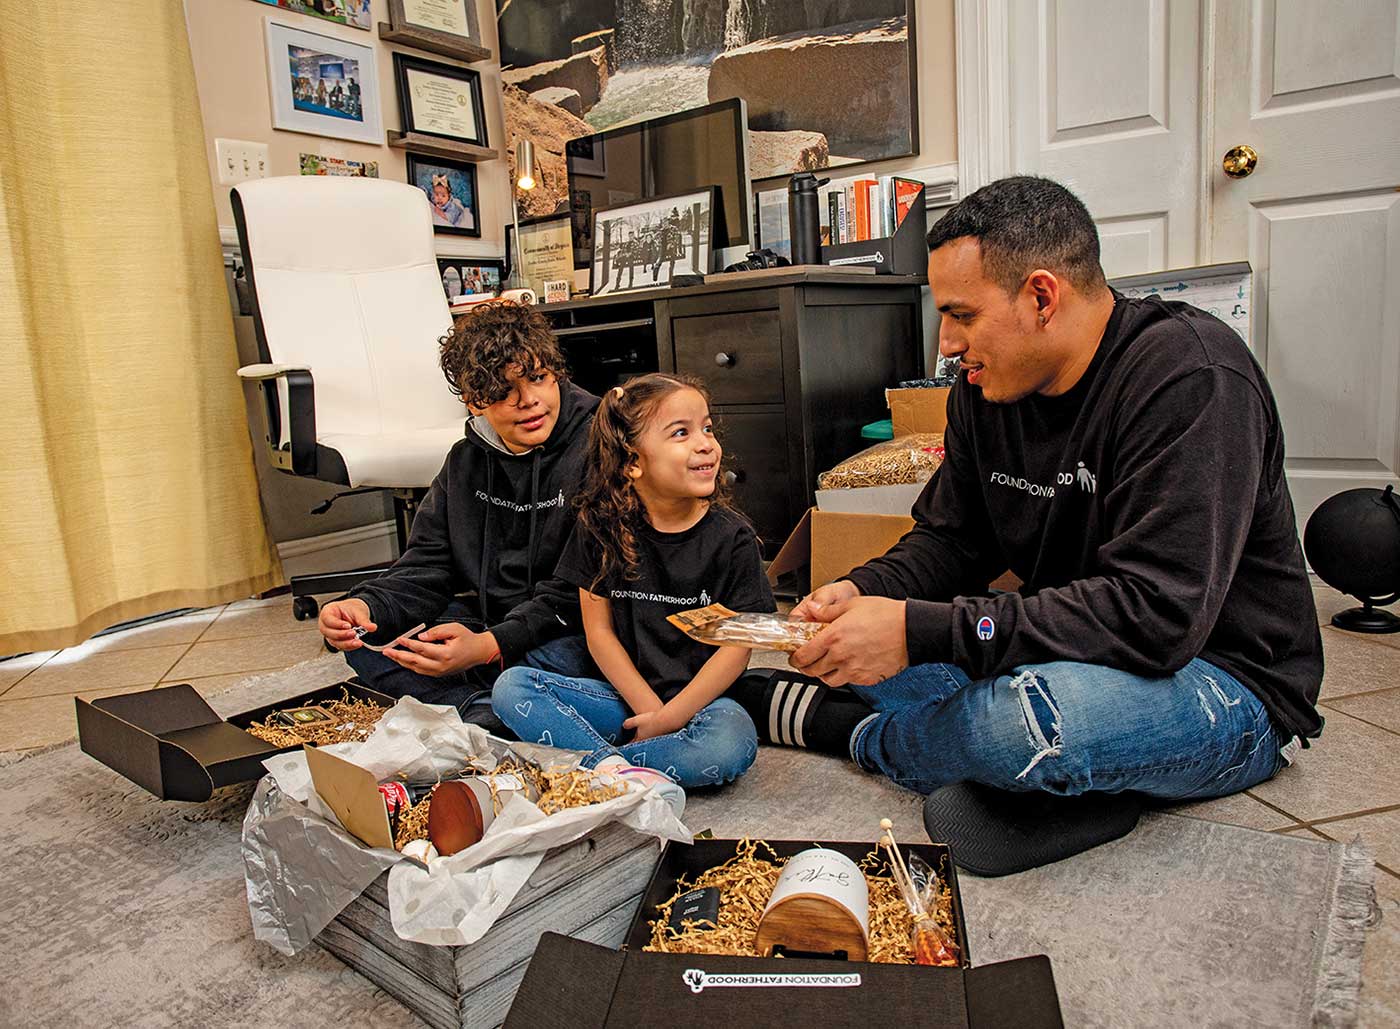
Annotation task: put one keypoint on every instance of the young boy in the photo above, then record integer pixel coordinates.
(492, 524)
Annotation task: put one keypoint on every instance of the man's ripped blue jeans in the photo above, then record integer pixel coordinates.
(1065, 727)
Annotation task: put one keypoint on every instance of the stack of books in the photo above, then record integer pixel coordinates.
(866, 208)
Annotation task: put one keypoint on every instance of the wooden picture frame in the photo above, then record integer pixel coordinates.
(674, 232)
(429, 106)
(459, 212)
(431, 25)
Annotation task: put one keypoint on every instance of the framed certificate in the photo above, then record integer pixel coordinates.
(447, 27)
(441, 100)
(546, 252)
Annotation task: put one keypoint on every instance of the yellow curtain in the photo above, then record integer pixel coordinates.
(126, 481)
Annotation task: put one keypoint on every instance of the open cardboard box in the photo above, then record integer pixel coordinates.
(577, 984)
(840, 533)
(170, 741)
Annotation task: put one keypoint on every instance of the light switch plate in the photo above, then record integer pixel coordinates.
(240, 160)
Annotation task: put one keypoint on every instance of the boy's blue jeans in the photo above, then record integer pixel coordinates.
(717, 745)
(1066, 727)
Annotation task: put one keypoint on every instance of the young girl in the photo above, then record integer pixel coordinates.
(654, 536)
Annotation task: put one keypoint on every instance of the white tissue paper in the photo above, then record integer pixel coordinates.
(302, 868)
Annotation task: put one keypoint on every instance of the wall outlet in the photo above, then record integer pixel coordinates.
(240, 160)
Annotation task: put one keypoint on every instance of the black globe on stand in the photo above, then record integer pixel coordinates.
(1352, 542)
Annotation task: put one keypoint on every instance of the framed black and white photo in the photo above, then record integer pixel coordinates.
(446, 27)
(450, 187)
(644, 245)
(322, 85)
(442, 100)
(463, 275)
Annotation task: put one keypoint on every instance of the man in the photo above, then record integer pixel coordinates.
(1125, 459)
(492, 524)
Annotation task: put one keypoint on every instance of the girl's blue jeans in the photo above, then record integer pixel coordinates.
(1066, 727)
(717, 745)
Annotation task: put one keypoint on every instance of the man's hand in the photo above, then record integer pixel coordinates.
(650, 724)
(444, 649)
(864, 642)
(821, 598)
(338, 620)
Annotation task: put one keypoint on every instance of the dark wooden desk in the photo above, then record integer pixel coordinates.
(797, 360)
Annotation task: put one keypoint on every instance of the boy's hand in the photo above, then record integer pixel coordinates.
(444, 649)
(650, 724)
(811, 606)
(338, 620)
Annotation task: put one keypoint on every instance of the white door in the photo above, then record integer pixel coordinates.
(1106, 96)
(1314, 89)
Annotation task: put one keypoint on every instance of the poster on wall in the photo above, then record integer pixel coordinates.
(342, 12)
(315, 164)
(322, 85)
(826, 83)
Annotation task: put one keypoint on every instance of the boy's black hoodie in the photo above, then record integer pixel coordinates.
(494, 522)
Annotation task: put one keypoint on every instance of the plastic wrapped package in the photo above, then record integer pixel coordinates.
(899, 461)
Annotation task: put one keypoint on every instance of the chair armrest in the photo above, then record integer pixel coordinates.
(297, 453)
(255, 372)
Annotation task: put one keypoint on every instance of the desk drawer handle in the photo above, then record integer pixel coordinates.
(724, 360)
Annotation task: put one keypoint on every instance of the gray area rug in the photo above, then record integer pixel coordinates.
(125, 910)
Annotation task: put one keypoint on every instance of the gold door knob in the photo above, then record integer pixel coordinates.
(1239, 161)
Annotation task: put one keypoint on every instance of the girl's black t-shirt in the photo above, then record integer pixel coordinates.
(715, 561)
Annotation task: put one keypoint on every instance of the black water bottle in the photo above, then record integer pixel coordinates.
(803, 219)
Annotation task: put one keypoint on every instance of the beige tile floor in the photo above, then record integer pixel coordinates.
(1346, 787)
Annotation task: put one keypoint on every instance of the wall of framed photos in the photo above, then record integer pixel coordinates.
(228, 44)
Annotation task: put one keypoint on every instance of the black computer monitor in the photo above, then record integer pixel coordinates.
(705, 146)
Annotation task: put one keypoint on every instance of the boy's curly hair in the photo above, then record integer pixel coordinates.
(491, 342)
(609, 509)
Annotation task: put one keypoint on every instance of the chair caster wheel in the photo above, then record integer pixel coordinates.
(305, 608)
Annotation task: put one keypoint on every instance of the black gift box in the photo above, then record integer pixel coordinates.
(170, 741)
(574, 984)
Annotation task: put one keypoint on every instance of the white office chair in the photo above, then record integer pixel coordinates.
(349, 307)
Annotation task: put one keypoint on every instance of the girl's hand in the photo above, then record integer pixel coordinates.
(650, 724)
(444, 649)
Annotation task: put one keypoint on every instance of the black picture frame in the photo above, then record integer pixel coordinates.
(420, 172)
(659, 250)
(468, 268)
(405, 63)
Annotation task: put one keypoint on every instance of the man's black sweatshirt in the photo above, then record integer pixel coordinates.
(494, 522)
(1145, 510)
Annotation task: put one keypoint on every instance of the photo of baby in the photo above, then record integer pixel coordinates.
(450, 188)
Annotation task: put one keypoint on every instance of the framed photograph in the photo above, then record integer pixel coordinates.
(585, 156)
(462, 275)
(342, 12)
(447, 27)
(546, 251)
(322, 85)
(643, 245)
(450, 187)
(439, 99)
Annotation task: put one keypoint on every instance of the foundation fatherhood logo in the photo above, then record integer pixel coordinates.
(698, 979)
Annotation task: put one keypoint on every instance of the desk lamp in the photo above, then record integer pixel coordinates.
(524, 182)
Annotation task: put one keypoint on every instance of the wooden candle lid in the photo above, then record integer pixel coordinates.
(455, 819)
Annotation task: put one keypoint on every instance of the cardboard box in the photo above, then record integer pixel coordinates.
(575, 984)
(887, 500)
(918, 410)
(170, 741)
(831, 544)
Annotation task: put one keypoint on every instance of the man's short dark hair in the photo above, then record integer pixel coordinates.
(1024, 223)
(493, 341)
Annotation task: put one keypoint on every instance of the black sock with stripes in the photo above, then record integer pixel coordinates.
(794, 710)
